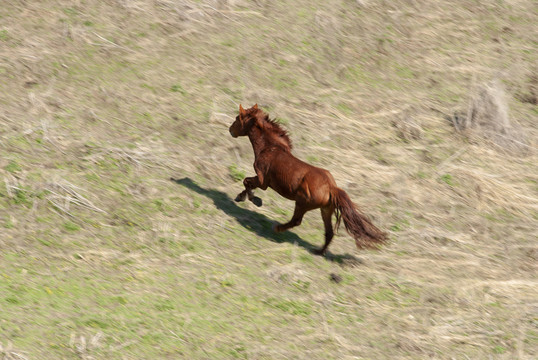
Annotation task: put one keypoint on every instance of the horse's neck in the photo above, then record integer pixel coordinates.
(259, 140)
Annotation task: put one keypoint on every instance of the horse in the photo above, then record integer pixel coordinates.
(309, 186)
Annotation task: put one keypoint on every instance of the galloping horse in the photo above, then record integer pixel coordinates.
(309, 186)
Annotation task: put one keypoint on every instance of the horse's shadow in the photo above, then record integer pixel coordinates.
(258, 223)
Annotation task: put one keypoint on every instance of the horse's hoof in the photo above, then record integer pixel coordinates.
(276, 228)
(239, 198)
(256, 201)
(320, 252)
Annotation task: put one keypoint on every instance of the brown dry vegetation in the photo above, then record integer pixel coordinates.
(102, 256)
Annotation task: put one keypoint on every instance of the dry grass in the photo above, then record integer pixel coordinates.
(103, 102)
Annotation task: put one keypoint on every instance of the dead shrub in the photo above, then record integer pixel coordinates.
(407, 128)
(487, 117)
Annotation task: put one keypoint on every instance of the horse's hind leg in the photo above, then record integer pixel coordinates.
(326, 214)
(295, 219)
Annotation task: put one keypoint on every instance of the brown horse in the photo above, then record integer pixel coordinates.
(309, 186)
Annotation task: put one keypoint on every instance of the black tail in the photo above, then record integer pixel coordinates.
(366, 234)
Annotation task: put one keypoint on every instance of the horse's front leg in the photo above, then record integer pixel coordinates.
(250, 183)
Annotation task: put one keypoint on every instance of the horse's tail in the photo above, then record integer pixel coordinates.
(358, 225)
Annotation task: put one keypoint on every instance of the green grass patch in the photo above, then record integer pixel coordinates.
(447, 179)
(400, 225)
(282, 121)
(4, 35)
(178, 88)
(235, 173)
(71, 226)
(382, 295)
(293, 307)
(12, 167)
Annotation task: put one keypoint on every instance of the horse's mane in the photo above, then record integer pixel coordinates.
(280, 135)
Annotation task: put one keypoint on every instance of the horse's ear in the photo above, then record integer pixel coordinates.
(255, 107)
(241, 110)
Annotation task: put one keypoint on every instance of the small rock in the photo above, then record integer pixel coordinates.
(336, 278)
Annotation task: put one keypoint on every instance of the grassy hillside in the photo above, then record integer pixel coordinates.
(103, 256)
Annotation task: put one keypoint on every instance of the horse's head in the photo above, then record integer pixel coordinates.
(244, 121)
